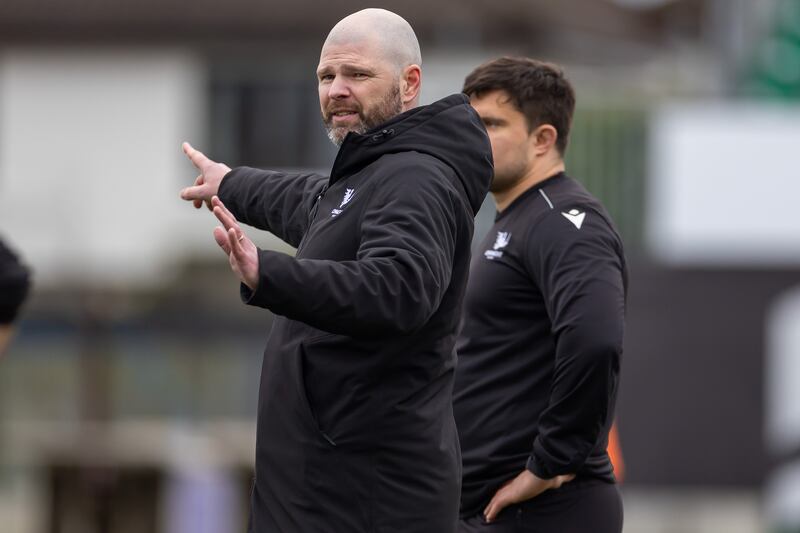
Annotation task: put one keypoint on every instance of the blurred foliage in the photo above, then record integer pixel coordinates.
(775, 71)
(607, 153)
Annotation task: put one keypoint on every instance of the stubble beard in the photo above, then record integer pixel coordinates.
(387, 108)
(508, 177)
(514, 167)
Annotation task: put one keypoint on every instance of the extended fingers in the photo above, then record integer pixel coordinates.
(216, 202)
(495, 505)
(499, 501)
(236, 238)
(198, 203)
(197, 157)
(225, 217)
(244, 258)
(221, 236)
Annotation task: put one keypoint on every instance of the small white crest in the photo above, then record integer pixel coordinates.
(502, 240)
(348, 195)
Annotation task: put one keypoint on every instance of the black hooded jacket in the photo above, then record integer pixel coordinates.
(355, 423)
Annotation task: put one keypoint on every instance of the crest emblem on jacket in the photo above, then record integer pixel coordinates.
(348, 195)
(500, 242)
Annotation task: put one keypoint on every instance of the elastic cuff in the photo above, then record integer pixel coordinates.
(256, 297)
(246, 293)
(540, 470)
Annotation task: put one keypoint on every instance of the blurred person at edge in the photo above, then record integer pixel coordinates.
(540, 345)
(14, 286)
(355, 428)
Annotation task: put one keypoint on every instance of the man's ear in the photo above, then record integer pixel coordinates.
(410, 81)
(543, 139)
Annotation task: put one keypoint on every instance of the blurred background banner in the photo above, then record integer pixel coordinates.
(127, 401)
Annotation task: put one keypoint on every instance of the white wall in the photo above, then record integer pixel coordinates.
(90, 161)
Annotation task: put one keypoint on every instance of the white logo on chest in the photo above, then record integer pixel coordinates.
(348, 195)
(502, 240)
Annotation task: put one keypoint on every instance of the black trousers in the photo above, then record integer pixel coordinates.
(580, 506)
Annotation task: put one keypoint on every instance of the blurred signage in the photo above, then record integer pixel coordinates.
(723, 183)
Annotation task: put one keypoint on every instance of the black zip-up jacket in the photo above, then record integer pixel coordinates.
(355, 424)
(540, 347)
(14, 284)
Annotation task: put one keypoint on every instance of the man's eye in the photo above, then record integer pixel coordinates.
(326, 77)
(359, 75)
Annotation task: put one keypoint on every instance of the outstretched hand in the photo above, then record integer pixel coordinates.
(523, 487)
(242, 252)
(206, 185)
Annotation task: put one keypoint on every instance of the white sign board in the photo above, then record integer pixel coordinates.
(724, 185)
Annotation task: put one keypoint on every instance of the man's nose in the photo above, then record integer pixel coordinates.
(339, 88)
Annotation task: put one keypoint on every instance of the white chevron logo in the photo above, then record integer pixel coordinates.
(576, 217)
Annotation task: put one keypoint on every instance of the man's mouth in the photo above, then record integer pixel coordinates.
(343, 115)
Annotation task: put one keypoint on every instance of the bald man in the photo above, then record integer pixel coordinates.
(355, 422)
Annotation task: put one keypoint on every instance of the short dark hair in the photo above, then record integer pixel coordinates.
(537, 89)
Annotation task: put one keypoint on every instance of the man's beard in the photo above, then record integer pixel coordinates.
(387, 108)
(507, 175)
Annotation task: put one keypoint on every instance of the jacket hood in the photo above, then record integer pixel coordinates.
(449, 130)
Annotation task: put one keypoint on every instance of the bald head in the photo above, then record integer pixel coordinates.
(368, 72)
(387, 33)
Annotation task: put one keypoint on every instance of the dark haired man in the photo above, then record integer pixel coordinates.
(14, 285)
(541, 340)
(355, 422)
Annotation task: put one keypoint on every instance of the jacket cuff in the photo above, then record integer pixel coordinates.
(274, 288)
(538, 468)
(220, 190)
(247, 294)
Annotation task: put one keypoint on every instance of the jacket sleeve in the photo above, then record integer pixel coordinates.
(401, 271)
(14, 284)
(277, 202)
(581, 274)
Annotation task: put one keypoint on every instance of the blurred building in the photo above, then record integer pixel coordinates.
(128, 401)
